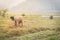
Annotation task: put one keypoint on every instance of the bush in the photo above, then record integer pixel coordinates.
(51, 17)
(23, 14)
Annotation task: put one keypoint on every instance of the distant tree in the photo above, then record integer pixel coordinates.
(51, 17)
(4, 11)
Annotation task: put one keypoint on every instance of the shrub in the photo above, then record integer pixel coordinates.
(51, 17)
(23, 14)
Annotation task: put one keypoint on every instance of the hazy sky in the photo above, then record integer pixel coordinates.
(9, 3)
(31, 5)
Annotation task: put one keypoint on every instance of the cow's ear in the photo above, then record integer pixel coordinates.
(12, 18)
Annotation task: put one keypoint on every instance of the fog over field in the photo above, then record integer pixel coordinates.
(31, 5)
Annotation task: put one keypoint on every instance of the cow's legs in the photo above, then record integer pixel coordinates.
(15, 23)
(20, 23)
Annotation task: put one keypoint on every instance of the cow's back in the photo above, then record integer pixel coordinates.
(18, 18)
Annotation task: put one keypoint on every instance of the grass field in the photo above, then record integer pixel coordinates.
(35, 28)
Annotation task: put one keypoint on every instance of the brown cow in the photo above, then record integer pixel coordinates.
(17, 20)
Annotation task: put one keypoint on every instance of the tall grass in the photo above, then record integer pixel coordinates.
(32, 24)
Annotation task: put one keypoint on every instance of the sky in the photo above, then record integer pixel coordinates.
(9, 3)
(31, 5)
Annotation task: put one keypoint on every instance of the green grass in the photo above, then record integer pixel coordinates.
(43, 35)
(35, 28)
